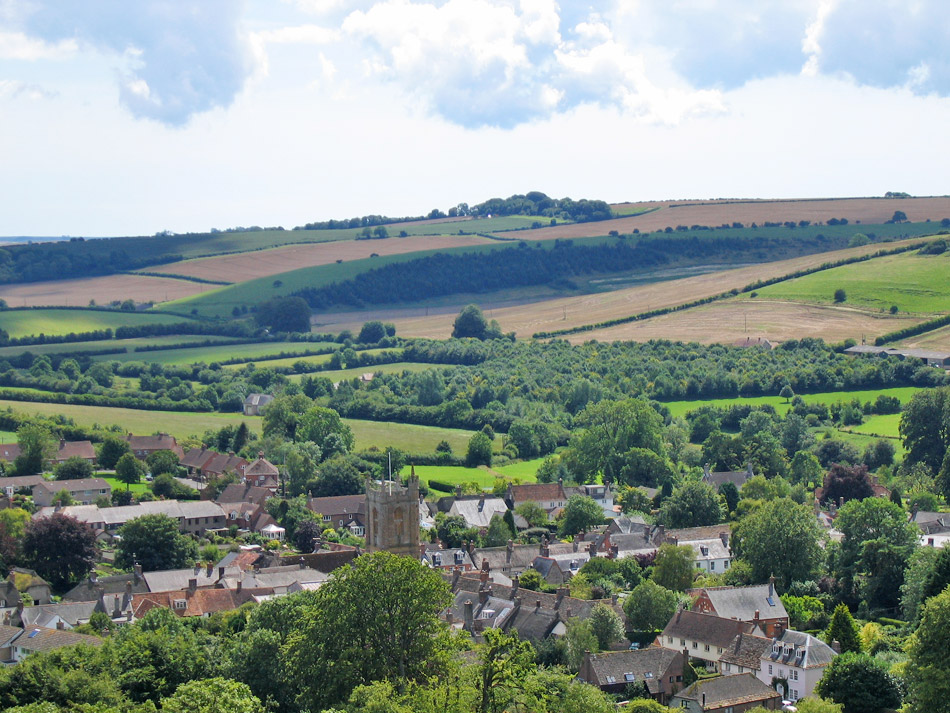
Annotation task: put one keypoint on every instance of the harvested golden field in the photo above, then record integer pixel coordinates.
(938, 340)
(715, 213)
(101, 289)
(731, 320)
(566, 312)
(262, 263)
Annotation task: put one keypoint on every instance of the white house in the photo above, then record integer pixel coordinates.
(794, 663)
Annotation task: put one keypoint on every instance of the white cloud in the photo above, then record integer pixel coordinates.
(17, 45)
(13, 88)
(300, 34)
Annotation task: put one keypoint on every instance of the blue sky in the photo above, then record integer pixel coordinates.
(122, 117)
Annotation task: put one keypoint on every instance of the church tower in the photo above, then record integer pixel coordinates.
(393, 516)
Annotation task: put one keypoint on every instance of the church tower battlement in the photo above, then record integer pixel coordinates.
(393, 516)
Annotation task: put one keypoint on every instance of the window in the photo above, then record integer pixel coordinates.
(695, 645)
(682, 642)
(181, 604)
(699, 564)
(712, 565)
(611, 679)
(669, 639)
(794, 675)
(728, 667)
(628, 677)
(725, 565)
(719, 650)
(327, 518)
(794, 694)
(707, 647)
(728, 709)
(770, 669)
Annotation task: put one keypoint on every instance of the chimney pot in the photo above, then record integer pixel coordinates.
(836, 646)
(60, 625)
(192, 584)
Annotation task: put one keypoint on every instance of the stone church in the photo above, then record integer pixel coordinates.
(392, 515)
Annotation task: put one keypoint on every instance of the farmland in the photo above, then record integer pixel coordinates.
(318, 359)
(218, 352)
(914, 283)
(101, 289)
(567, 312)
(128, 345)
(343, 374)
(251, 265)
(458, 475)
(57, 322)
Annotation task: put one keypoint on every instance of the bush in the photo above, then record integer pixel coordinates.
(840, 295)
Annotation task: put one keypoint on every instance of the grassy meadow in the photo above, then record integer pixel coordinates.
(59, 322)
(456, 475)
(217, 352)
(915, 283)
(344, 374)
(128, 345)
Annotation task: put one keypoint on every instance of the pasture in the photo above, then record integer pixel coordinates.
(915, 283)
(457, 475)
(128, 345)
(182, 424)
(318, 359)
(903, 393)
(525, 470)
(344, 374)
(217, 352)
(58, 322)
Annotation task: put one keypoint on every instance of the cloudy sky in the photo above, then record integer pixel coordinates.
(121, 117)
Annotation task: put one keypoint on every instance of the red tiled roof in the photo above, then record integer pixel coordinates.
(537, 492)
(198, 602)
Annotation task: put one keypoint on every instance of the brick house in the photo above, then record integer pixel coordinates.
(759, 605)
(661, 670)
(144, 446)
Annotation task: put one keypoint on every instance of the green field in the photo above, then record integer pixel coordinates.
(886, 425)
(524, 470)
(915, 283)
(117, 484)
(318, 359)
(217, 352)
(343, 374)
(128, 344)
(903, 393)
(58, 322)
(181, 424)
(455, 475)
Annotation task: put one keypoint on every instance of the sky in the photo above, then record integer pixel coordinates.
(130, 118)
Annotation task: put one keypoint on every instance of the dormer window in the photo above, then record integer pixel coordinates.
(788, 650)
(181, 604)
(437, 559)
(459, 556)
(776, 648)
(629, 677)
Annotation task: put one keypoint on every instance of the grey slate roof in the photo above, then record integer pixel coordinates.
(39, 638)
(816, 652)
(746, 650)
(621, 667)
(87, 590)
(176, 579)
(727, 691)
(742, 602)
(478, 513)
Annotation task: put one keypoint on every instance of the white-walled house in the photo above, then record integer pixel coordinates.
(794, 663)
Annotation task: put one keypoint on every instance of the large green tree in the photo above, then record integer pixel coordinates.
(61, 549)
(674, 567)
(925, 427)
(649, 606)
(375, 621)
(917, 576)
(780, 538)
(129, 470)
(213, 695)
(319, 423)
(470, 322)
(861, 684)
(37, 447)
(608, 431)
(284, 314)
(691, 505)
(928, 670)
(479, 450)
(282, 415)
(580, 514)
(110, 450)
(154, 542)
(844, 630)
(878, 542)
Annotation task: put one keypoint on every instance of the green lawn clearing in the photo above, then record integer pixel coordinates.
(59, 322)
(903, 393)
(885, 426)
(525, 470)
(456, 475)
(915, 283)
(140, 487)
(344, 374)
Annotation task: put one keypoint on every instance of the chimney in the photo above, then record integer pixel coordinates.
(772, 585)
(483, 594)
(469, 615)
(613, 599)
(62, 443)
(458, 491)
(545, 548)
(724, 536)
(509, 550)
(575, 544)
(240, 584)
(755, 618)
(456, 573)
(449, 618)
(220, 572)
(192, 584)
(537, 604)
(706, 471)
(210, 569)
(836, 646)
(748, 469)
(61, 625)
(515, 583)
(561, 593)
(137, 570)
(569, 613)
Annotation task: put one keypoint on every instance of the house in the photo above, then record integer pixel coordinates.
(9, 594)
(84, 491)
(205, 463)
(251, 517)
(31, 584)
(280, 578)
(40, 638)
(704, 636)
(713, 556)
(199, 576)
(727, 694)
(13, 484)
(514, 559)
(475, 614)
(341, 511)
(659, 669)
(719, 478)
(144, 446)
(254, 403)
(262, 473)
(194, 516)
(479, 510)
(794, 663)
(244, 493)
(75, 449)
(192, 602)
(600, 494)
(744, 655)
(549, 496)
(7, 635)
(747, 342)
(758, 604)
(90, 589)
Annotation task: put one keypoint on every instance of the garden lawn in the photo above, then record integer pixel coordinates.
(915, 283)
(58, 322)
(903, 393)
(117, 484)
